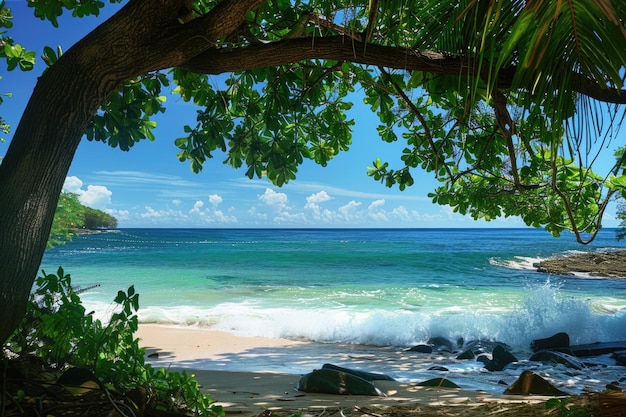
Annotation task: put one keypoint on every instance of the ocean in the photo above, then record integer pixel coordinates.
(361, 296)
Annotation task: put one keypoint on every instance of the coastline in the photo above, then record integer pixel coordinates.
(247, 393)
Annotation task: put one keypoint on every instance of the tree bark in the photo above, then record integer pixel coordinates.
(342, 48)
(143, 36)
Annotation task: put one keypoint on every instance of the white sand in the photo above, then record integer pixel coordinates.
(249, 393)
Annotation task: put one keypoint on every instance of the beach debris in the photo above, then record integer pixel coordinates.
(368, 376)
(500, 358)
(438, 383)
(330, 381)
(610, 404)
(530, 383)
(559, 340)
(550, 356)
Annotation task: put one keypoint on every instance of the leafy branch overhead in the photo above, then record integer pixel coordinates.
(507, 103)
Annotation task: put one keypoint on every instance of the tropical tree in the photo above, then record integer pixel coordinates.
(501, 100)
(71, 215)
(98, 219)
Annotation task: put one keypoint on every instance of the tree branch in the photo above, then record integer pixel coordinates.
(340, 48)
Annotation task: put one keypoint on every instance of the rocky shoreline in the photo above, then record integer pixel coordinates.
(596, 264)
(495, 356)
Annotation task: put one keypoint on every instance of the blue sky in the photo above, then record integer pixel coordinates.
(149, 187)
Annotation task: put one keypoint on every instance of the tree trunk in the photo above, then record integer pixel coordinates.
(144, 36)
(33, 172)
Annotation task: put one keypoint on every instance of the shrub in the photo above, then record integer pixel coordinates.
(57, 329)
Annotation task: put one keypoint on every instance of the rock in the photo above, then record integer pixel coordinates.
(330, 381)
(597, 264)
(438, 368)
(500, 358)
(620, 357)
(441, 344)
(466, 354)
(529, 383)
(421, 349)
(368, 376)
(139, 397)
(76, 376)
(79, 381)
(559, 340)
(557, 357)
(594, 349)
(484, 346)
(439, 383)
(483, 358)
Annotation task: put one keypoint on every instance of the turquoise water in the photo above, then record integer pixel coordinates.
(386, 288)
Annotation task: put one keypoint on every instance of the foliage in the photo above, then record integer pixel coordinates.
(58, 329)
(620, 156)
(621, 216)
(512, 131)
(95, 219)
(71, 215)
(564, 410)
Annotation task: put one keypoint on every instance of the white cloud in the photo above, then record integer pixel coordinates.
(256, 215)
(215, 200)
(376, 212)
(220, 217)
(72, 184)
(95, 196)
(177, 202)
(376, 204)
(274, 199)
(315, 199)
(313, 203)
(197, 206)
(402, 213)
(120, 215)
(349, 211)
(162, 216)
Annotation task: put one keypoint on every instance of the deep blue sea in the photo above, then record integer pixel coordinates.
(356, 289)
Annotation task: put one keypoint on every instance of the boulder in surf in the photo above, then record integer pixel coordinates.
(438, 383)
(549, 356)
(330, 381)
(530, 383)
(368, 376)
(501, 357)
(559, 340)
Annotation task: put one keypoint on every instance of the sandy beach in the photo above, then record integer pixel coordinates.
(251, 393)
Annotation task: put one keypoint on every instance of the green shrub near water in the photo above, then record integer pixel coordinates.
(58, 329)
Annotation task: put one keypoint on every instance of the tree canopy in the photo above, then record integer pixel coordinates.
(507, 103)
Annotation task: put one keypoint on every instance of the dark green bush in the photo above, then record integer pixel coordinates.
(58, 329)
